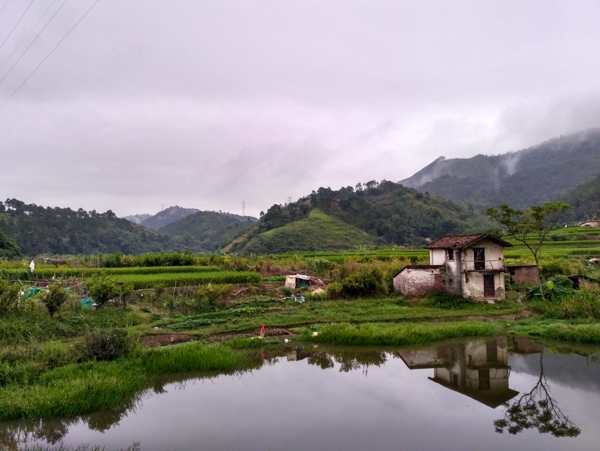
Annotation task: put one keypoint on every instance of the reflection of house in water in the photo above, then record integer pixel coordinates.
(297, 353)
(478, 369)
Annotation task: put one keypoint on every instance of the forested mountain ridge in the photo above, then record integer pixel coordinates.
(585, 201)
(208, 230)
(38, 230)
(387, 212)
(546, 172)
(167, 216)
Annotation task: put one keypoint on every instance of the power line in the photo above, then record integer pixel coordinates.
(48, 56)
(2, 9)
(29, 34)
(32, 42)
(17, 24)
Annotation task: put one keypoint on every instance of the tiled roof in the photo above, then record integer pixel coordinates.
(463, 241)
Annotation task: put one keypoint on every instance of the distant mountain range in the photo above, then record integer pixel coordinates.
(546, 172)
(43, 230)
(446, 197)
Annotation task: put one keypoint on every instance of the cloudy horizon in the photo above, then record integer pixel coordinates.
(204, 104)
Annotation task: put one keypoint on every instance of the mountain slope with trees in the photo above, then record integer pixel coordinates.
(585, 201)
(389, 213)
(168, 216)
(206, 231)
(546, 172)
(38, 230)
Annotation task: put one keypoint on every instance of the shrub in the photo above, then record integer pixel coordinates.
(54, 298)
(9, 297)
(366, 282)
(103, 288)
(555, 289)
(449, 300)
(319, 266)
(214, 294)
(334, 290)
(107, 345)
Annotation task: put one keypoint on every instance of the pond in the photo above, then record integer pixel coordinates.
(453, 396)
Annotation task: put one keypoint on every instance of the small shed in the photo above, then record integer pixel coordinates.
(523, 274)
(418, 280)
(297, 281)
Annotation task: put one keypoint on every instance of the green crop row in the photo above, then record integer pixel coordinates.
(46, 273)
(141, 281)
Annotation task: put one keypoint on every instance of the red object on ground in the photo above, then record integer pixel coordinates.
(262, 327)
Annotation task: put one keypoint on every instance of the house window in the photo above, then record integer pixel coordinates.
(454, 379)
(450, 254)
(484, 379)
(479, 258)
(491, 350)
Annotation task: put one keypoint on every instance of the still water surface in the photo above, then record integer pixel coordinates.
(304, 397)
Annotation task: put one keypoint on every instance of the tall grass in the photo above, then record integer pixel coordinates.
(72, 390)
(581, 304)
(576, 333)
(401, 334)
(76, 389)
(191, 357)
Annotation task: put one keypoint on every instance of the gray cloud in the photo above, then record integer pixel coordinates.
(205, 104)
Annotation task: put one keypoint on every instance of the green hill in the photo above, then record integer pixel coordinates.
(206, 231)
(316, 232)
(384, 213)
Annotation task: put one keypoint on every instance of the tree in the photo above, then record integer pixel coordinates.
(103, 288)
(54, 298)
(536, 409)
(530, 226)
(8, 248)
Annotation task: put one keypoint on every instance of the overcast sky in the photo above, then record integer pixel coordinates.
(151, 103)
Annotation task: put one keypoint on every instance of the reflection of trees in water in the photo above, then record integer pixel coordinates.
(17, 433)
(349, 359)
(536, 409)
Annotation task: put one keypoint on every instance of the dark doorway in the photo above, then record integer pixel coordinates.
(489, 290)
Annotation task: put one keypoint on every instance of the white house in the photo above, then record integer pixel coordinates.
(471, 265)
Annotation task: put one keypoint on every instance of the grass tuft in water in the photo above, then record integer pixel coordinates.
(398, 334)
(191, 357)
(577, 333)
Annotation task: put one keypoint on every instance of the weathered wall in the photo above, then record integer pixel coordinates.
(494, 256)
(524, 274)
(415, 281)
(437, 256)
(473, 285)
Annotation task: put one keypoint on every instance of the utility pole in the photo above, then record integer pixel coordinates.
(243, 208)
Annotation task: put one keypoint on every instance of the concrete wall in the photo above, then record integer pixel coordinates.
(415, 281)
(437, 257)
(494, 256)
